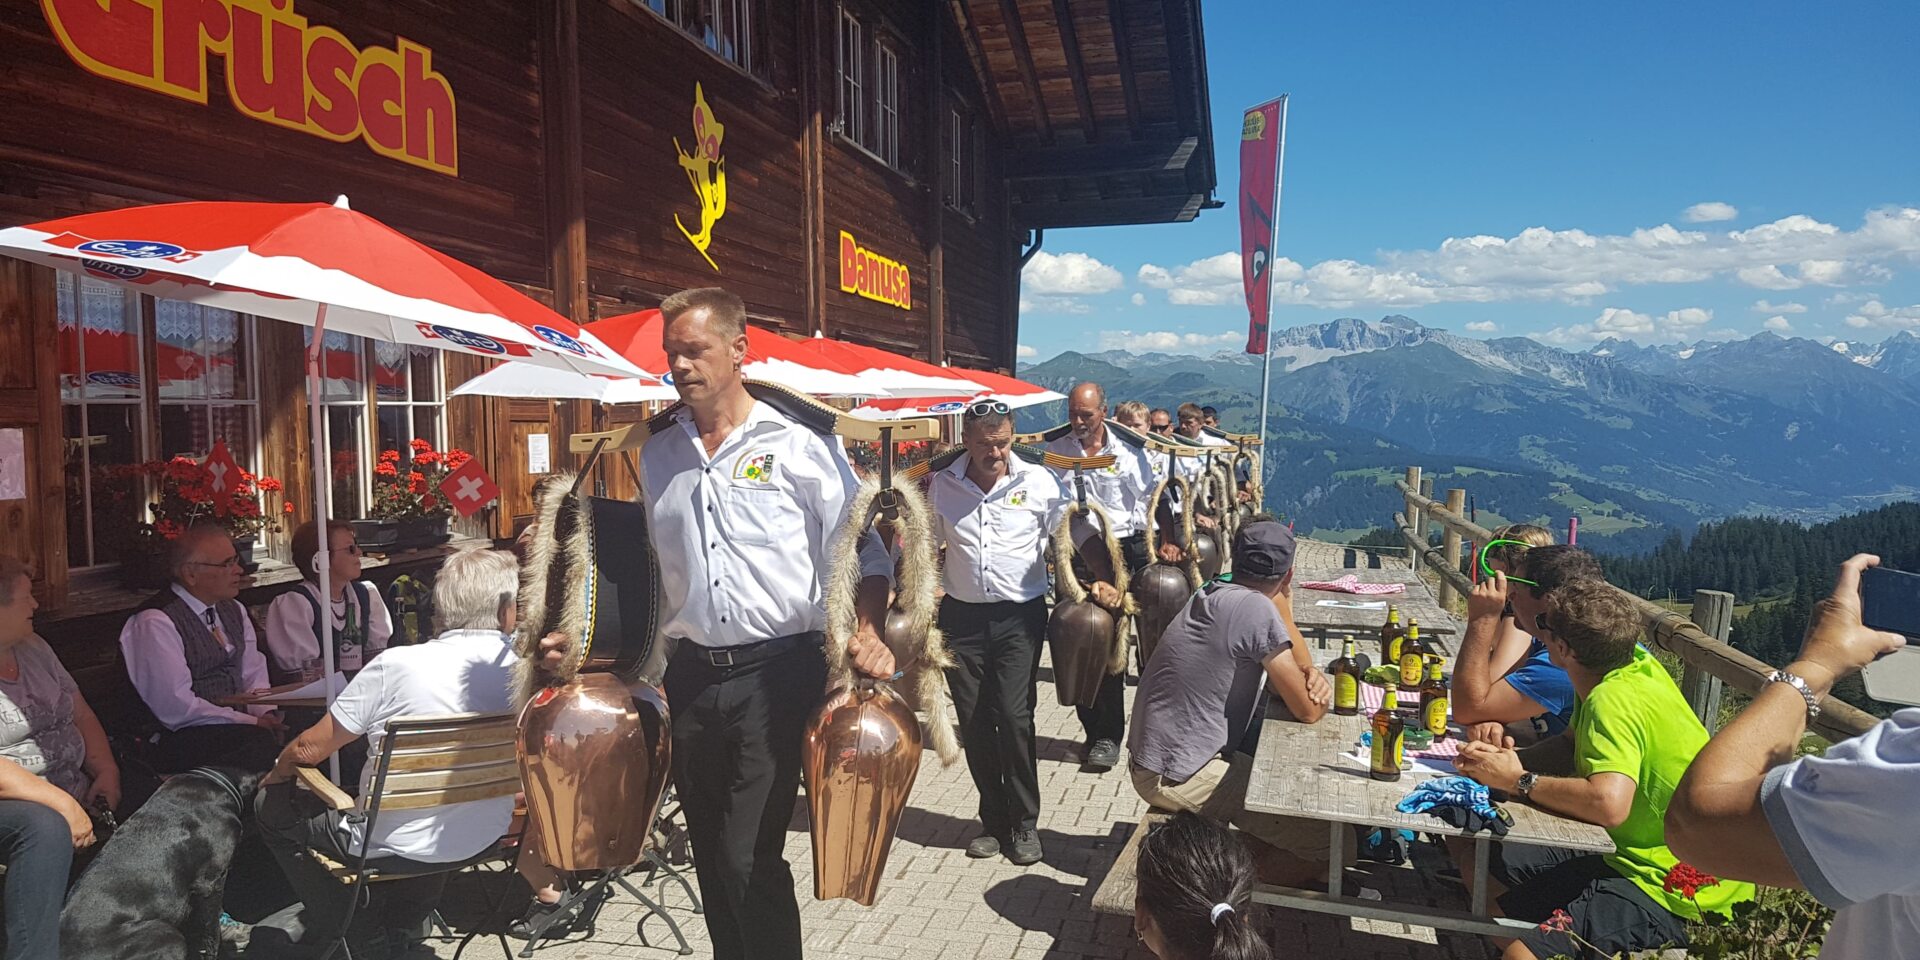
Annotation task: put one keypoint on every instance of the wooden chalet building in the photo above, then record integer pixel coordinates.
(871, 169)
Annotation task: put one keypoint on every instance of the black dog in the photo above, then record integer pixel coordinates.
(155, 889)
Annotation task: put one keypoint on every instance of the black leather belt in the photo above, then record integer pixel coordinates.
(748, 653)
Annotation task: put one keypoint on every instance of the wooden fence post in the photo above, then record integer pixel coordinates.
(1450, 545)
(1713, 612)
(1414, 518)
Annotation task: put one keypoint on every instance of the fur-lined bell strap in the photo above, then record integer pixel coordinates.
(1064, 550)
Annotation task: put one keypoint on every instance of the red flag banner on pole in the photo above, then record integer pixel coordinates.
(1262, 132)
(469, 488)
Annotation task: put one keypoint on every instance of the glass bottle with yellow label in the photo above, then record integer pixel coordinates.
(1346, 681)
(1390, 635)
(1388, 747)
(1413, 657)
(1433, 700)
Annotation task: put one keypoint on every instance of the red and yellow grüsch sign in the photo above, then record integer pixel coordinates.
(280, 69)
(873, 276)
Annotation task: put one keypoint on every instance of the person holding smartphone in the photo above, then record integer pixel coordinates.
(1817, 823)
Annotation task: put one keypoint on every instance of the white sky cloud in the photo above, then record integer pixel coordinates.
(1873, 313)
(1139, 299)
(1483, 326)
(1778, 324)
(1167, 341)
(1763, 306)
(1068, 274)
(1709, 212)
(1569, 265)
(1025, 352)
(1038, 304)
(1685, 323)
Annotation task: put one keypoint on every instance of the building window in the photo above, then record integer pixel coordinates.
(964, 153)
(886, 105)
(853, 102)
(722, 26)
(204, 364)
(102, 357)
(407, 396)
(343, 392)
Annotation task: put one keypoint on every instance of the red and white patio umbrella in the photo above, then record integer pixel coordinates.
(321, 265)
(899, 376)
(1008, 390)
(637, 336)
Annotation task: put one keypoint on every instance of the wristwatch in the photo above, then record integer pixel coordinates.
(1806, 692)
(1524, 785)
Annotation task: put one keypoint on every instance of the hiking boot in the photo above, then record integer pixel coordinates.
(1102, 755)
(1025, 849)
(983, 846)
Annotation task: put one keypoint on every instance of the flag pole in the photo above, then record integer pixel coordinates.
(1266, 357)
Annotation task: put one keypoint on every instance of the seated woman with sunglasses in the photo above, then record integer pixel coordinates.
(1504, 684)
(361, 624)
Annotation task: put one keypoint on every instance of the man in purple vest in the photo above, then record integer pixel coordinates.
(192, 645)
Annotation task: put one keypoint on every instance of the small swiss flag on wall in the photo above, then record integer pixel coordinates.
(469, 488)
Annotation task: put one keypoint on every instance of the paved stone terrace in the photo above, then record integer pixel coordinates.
(937, 904)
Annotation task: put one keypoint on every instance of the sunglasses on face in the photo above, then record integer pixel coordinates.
(1487, 568)
(987, 408)
(1162, 427)
(230, 562)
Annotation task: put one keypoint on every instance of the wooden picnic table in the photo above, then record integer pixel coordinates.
(1330, 612)
(1299, 771)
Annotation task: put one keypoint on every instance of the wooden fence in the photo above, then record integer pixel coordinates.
(1708, 663)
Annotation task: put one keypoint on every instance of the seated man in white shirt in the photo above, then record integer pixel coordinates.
(1831, 825)
(466, 669)
(192, 645)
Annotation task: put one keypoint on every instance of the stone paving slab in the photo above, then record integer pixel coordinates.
(937, 904)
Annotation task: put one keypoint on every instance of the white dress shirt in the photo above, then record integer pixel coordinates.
(290, 638)
(1121, 489)
(743, 537)
(157, 663)
(997, 539)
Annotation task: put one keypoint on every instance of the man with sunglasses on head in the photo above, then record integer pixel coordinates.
(193, 645)
(1504, 683)
(995, 512)
(1122, 491)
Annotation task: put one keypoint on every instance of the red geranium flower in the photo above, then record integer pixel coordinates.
(269, 484)
(1560, 922)
(287, 508)
(426, 458)
(1688, 880)
(419, 445)
(457, 458)
(389, 456)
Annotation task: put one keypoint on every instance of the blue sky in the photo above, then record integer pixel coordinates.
(1660, 172)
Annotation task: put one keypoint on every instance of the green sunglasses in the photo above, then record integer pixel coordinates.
(1487, 568)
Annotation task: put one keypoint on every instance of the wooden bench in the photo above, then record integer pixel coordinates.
(1116, 892)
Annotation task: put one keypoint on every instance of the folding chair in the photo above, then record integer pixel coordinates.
(594, 895)
(424, 763)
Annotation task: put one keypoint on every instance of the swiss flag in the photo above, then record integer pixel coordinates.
(469, 488)
(224, 472)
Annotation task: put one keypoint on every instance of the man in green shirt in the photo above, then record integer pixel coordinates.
(1616, 766)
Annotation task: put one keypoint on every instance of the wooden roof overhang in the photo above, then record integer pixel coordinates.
(1101, 106)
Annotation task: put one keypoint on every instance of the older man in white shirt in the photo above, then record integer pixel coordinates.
(995, 513)
(467, 668)
(1122, 490)
(743, 503)
(192, 645)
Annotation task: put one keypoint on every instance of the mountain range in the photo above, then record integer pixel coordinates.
(1634, 439)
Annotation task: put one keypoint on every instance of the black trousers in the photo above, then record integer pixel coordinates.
(996, 654)
(37, 849)
(737, 734)
(1107, 718)
(294, 823)
(240, 745)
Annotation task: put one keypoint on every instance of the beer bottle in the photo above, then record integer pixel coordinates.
(1388, 730)
(1346, 681)
(1390, 634)
(1413, 656)
(1434, 701)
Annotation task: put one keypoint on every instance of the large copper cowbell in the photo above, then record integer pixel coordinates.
(1162, 591)
(862, 755)
(594, 759)
(1080, 636)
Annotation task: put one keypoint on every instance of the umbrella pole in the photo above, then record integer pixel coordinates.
(322, 563)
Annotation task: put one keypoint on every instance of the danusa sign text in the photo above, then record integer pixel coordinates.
(873, 276)
(280, 69)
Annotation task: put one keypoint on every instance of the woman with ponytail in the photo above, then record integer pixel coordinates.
(1195, 893)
